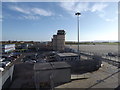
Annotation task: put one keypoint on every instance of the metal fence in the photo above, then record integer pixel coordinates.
(106, 56)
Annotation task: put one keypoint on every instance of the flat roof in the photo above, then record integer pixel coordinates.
(50, 66)
(67, 54)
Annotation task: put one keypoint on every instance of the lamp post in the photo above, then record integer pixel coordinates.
(78, 33)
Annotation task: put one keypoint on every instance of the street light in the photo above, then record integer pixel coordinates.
(78, 33)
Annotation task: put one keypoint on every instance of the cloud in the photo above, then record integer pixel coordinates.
(98, 7)
(82, 6)
(29, 17)
(42, 12)
(71, 7)
(75, 6)
(111, 19)
(20, 9)
(107, 18)
(31, 13)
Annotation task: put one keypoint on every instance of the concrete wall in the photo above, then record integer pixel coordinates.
(55, 76)
(60, 42)
(54, 43)
(5, 75)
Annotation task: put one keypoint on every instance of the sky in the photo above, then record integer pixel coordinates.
(38, 21)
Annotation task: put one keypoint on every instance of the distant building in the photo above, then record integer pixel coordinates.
(41, 46)
(8, 48)
(58, 41)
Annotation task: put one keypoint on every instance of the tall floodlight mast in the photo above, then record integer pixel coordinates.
(78, 14)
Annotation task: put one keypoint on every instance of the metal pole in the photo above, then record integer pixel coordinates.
(78, 33)
(78, 39)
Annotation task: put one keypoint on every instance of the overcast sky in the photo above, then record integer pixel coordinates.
(40, 20)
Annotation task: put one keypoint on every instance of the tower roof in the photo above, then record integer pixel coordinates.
(61, 32)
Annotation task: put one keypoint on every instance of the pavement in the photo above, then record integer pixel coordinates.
(105, 77)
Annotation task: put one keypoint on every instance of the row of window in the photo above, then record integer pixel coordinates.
(70, 58)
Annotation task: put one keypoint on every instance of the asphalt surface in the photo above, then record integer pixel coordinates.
(97, 49)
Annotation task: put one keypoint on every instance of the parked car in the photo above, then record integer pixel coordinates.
(13, 58)
(6, 63)
(1, 59)
(2, 65)
(30, 61)
(8, 59)
(4, 57)
(1, 69)
(111, 54)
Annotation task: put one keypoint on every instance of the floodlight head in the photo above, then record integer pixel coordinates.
(78, 13)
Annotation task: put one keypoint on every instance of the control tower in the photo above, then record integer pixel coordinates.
(58, 41)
